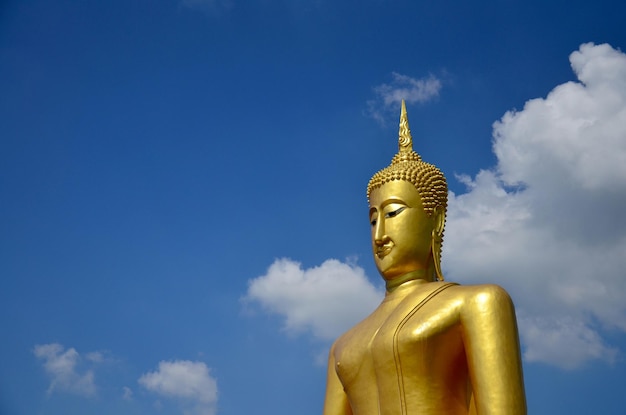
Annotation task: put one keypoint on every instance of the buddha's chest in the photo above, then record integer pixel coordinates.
(413, 336)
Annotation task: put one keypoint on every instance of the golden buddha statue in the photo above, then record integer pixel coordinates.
(431, 347)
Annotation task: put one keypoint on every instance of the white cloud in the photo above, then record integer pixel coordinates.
(190, 382)
(96, 357)
(412, 90)
(545, 339)
(327, 300)
(63, 367)
(127, 393)
(547, 222)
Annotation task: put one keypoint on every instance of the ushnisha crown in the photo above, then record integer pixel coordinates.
(408, 165)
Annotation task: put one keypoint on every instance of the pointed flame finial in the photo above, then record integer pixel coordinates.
(405, 141)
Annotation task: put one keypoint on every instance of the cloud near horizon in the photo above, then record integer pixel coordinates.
(189, 382)
(546, 223)
(66, 370)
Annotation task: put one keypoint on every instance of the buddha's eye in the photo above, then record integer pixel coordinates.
(373, 222)
(394, 213)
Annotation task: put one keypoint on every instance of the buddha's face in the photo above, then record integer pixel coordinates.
(401, 229)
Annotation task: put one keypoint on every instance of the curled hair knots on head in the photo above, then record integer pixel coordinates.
(427, 179)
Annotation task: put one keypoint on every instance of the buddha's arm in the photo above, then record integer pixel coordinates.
(493, 353)
(336, 401)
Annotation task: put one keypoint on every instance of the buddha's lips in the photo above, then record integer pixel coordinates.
(384, 250)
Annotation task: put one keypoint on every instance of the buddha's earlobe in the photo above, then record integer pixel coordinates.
(439, 219)
(437, 239)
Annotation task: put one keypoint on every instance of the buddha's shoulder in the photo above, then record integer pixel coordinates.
(480, 295)
(444, 290)
(458, 289)
(467, 301)
(485, 289)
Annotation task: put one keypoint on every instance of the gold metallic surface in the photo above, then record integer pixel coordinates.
(431, 347)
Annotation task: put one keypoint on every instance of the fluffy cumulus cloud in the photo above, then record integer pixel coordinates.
(388, 96)
(547, 221)
(325, 300)
(66, 369)
(189, 382)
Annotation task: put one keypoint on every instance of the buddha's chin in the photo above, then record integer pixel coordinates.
(390, 271)
(386, 270)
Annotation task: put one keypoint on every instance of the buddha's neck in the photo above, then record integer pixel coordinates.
(420, 274)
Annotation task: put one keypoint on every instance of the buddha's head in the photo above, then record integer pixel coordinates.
(407, 201)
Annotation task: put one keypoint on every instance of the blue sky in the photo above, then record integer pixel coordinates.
(182, 191)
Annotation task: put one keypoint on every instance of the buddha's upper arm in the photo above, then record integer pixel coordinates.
(492, 349)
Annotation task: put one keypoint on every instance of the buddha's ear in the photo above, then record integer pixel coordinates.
(439, 219)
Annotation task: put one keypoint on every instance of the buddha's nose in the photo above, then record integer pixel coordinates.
(379, 233)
